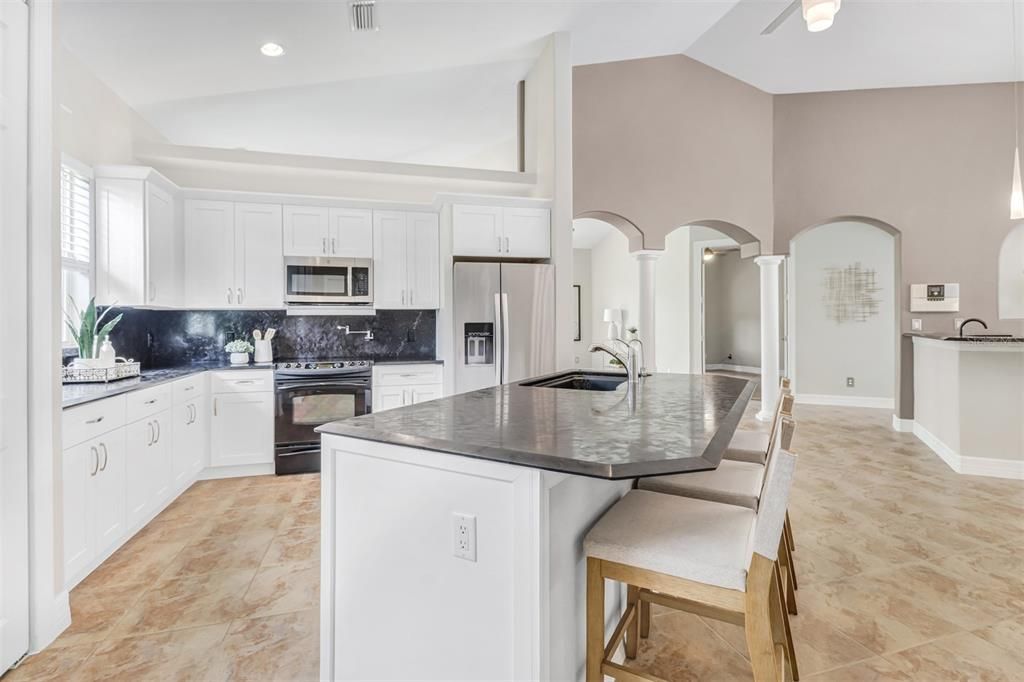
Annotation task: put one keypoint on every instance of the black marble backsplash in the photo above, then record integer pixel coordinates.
(172, 338)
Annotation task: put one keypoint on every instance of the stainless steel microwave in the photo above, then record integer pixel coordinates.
(337, 281)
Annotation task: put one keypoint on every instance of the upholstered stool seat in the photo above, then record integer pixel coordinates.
(748, 446)
(735, 483)
(703, 541)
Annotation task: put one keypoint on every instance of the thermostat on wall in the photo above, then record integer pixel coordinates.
(934, 298)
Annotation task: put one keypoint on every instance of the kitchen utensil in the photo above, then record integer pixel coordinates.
(270, 334)
(256, 334)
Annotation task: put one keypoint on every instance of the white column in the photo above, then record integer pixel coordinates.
(769, 334)
(646, 261)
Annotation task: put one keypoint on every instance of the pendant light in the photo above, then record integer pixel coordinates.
(1016, 192)
(819, 14)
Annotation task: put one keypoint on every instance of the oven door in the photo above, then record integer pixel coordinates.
(328, 280)
(304, 404)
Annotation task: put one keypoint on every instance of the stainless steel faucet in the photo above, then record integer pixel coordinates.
(367, 332)
(629, 361)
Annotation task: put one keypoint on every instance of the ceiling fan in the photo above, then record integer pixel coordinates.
(819, 15)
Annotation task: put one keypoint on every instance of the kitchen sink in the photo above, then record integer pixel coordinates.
(987, 338)
(579, 381)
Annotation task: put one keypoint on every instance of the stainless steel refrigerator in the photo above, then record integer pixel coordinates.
(504, 323)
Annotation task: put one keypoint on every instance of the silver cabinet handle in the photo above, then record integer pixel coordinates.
(195, 413)
(150, 401)
(103, 467)
(334, 245)
(506, 244)
(188, 419)
(244, 381)
(325, 245)
(152, 434)
(97, 420)
(189, 388)
(229, 295)
(214, 407)
(157, 422)
(96, 460)
(403, 397)
(499, 243)
(411, 292)
(239, 296)
(403, 296)
(412, 393)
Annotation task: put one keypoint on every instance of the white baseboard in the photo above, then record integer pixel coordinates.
(846, 401)
(972, 466)
(727, 367)
(47, 627)
(902, 425)
(210, 473)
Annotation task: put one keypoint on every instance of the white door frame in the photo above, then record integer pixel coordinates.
(14, 517)
(697, 298)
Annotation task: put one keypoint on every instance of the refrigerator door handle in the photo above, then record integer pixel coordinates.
(499, 336)
(504, 337)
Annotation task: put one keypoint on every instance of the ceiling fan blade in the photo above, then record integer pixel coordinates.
(770, 28)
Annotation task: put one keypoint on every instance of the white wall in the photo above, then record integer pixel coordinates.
(614, 284)
(732, 317)
(826, 352)
(1011, 275)
(672, 303)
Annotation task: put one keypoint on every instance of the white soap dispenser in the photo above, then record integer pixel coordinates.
(107, 354)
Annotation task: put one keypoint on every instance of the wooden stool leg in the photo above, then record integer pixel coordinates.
(645, 619)
(788, 528)
(780, 621)
(792, 569)
(595, 620)
(633, 631)
(789, 595)
(757, 621)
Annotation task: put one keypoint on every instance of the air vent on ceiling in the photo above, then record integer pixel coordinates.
(364, 15)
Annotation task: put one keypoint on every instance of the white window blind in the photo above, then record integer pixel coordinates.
(75, 215)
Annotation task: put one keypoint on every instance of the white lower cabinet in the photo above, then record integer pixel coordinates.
(190, 445)
(148, 469)
(242, 429)
(402, 385)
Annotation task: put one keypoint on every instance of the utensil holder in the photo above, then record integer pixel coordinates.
(264, 352)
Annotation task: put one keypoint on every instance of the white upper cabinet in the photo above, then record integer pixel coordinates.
(501, 232)
(351, 233)
(138, 238)
(406, 260)
(259, 265)
(477, 231)
(307, 231)
(209, 253)
(233, 255)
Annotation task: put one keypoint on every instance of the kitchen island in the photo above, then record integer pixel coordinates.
(452, 530)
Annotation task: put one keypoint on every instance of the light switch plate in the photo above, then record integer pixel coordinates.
(957, 321)
(915, 325)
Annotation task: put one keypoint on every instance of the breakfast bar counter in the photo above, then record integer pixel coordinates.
(452, 530)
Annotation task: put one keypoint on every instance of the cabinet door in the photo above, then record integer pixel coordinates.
(259, 265)
(421, 394)
(163, 247)
(80, 467)
(108, 494)
(242, 429)
(424, 261)
(161, 468)
(351, 233)
(209, 254)
(390, 269)
(527, 232)
(306, 231)
(199, 454)
(139, 439)
(389, 397)
(477, 231)
(189, 445)
(120, 242)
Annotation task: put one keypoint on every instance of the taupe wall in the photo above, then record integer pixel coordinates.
(732, 311)
(666, 142)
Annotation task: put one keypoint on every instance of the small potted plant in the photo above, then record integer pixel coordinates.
(89, 333)
(239, 350)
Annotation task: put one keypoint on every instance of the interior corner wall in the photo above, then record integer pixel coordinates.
(615, 283)
(93, 124)
(732, 310)
(668, 141)
(672, 303)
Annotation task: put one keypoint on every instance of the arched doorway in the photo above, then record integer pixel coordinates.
(844, 280)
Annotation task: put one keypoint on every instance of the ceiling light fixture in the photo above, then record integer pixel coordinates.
(1016, 193)
(272, 50)
(819, 14)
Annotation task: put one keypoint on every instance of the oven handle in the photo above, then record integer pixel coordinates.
(285, 386)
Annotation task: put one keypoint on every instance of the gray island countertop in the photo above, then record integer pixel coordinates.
(682, 423)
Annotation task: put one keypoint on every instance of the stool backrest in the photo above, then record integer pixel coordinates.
(771, 509)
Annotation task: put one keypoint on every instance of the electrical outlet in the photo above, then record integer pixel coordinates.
(850, 382)
(464, 536)
(915, 325)
(957, 321)
(576, 359)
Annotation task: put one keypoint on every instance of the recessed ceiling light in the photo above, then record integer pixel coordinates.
(272, 50)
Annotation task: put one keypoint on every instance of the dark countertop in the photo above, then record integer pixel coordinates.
(78, 394)
(682, 423)
(408, 362)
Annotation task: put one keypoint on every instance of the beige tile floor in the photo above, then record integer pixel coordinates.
(907, 572)
(223, 585)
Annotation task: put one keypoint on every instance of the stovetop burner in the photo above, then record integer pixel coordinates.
(319, 365)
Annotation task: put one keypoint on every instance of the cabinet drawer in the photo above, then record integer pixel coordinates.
(79, 424)
(189, 388)
(149, 401)
(242, 381)
(406, 375)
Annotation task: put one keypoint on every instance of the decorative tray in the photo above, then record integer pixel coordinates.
(101, 375)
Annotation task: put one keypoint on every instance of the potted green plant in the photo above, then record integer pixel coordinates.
(88, 331)
(239, 350)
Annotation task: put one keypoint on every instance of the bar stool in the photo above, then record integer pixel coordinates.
(707, 558)
(751, 446)
(740, 484)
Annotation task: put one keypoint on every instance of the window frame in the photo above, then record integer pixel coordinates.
(69, 264)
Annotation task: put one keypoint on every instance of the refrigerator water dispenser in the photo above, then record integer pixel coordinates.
(479, 343)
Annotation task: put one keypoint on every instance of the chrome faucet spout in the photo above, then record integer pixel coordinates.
(627, 360)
